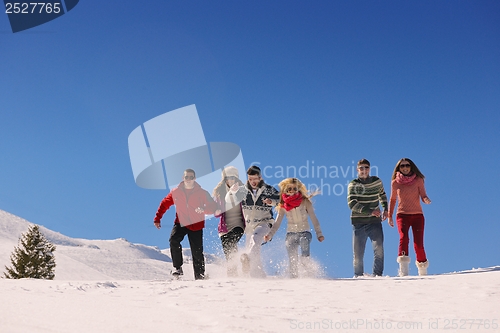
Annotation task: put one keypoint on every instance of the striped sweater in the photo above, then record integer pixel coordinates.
(363, 197)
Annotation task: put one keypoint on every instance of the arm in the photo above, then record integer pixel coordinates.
(241, 194)
(276, 225)
(210, 205)
(383, 200)
(314, 220)
(392, 203)
(218, 212)
(165, 204)
(423, 193)
(352, 200)
(274, 196)
(235, 196)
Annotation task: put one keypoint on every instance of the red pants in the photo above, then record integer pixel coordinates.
(416, 222)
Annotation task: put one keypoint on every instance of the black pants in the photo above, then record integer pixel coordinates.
(230, 242)
(195, 242)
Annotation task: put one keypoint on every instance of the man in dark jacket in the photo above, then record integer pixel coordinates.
(191, 204)
(257, 210)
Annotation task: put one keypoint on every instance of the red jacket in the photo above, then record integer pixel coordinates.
(186, 202)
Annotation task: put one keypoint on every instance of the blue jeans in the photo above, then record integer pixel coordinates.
(360, 233)
(293, 241)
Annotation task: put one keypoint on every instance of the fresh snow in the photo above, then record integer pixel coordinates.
(117, 286)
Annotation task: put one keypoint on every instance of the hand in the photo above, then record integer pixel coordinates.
(267, 238)
(426, 200)
(267, 201)
(199, 210)
(391, 222)
(376, 212)
(235, 187)
(384, 215)
(157, 224)
(218, 212)
(321, 238)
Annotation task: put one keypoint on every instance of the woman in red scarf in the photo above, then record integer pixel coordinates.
(408, 188)
(296, 204)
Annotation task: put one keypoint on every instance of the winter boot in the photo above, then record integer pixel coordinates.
(404, 265)
(177, 272)
(245, 263)
(232, 271)
(422, 267)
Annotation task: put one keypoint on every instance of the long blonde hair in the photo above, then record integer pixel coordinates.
(306, 195)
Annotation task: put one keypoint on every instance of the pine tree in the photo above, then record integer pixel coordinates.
(33, 257)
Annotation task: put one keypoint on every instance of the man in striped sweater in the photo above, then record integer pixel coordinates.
(364, 196)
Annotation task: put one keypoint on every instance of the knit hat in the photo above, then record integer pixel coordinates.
(230, 171)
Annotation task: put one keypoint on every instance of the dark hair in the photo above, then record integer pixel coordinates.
(191, 171)
(413, 168)
(253, 171)
(363, 161)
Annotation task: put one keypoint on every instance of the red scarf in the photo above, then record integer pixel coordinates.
(406, 180)
(292, 201)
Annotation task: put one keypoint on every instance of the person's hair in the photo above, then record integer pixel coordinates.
(413, 168)
(301, 188)
(220, 190)
(253, 171)
(191, 171)
(363, 161)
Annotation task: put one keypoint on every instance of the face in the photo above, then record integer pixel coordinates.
(230, 180)
(363, 170)
(189, 179)
(291, 189)
(405, 167)
(254, 180)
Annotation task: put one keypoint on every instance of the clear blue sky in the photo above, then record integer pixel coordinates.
(293, 83)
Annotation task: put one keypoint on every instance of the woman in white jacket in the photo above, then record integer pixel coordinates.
(295, 204)
(229, 194)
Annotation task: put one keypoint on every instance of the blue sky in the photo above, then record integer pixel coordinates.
(294, 84)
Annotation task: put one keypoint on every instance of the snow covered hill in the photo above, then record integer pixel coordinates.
(117, 286)
(82, 259)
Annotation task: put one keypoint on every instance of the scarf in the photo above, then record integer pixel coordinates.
(292, 201)
(406, 180)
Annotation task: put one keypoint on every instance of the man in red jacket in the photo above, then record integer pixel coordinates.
(191, 204)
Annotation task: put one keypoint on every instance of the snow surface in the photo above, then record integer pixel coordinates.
(117, 286)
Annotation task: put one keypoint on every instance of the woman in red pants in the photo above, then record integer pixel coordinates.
(407, 188)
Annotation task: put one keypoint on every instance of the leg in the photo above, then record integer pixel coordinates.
(403, 222)
(230, 247)
(377, 237)
(306, 264)
(255, 243)
(418, 237)
(292, 247)
(358, 246)
(196, 243)
(305, 243)
(176, 237)
(230, 242)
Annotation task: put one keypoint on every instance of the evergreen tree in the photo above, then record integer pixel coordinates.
(33, 257)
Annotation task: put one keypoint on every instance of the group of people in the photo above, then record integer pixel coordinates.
(366, 194)
(247, 209)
